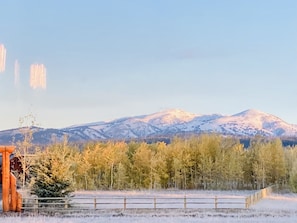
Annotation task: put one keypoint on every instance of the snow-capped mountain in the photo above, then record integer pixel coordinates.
(166, 123)
(253, 122)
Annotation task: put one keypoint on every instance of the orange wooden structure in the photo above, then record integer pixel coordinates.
(12, 200)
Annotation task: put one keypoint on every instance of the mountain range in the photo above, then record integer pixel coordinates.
(162, 124)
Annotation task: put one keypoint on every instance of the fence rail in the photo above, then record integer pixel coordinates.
(98, 203)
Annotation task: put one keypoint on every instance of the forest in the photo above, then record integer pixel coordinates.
(199, 162)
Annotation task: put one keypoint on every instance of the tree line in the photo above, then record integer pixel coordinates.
(200, 162)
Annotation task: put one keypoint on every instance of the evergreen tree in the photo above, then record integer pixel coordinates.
(52, 172)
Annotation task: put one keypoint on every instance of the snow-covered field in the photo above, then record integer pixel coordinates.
(278, 208)
(161, 199)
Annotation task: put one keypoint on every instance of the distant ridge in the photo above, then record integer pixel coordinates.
(167, 123)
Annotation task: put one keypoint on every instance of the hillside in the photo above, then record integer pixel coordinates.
(164, 124)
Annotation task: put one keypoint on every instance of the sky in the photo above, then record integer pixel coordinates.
(110, 59)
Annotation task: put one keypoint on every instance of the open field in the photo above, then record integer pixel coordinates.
(274, 208)
(162, 199)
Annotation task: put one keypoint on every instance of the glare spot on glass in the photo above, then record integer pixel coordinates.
(38, 76)
(2, 58)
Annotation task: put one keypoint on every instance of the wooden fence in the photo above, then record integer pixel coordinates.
(78, 204)
(36, 204)
(256, 197)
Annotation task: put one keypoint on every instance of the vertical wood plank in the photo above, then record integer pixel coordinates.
(19, 202)
(5, 181)
(13, 201)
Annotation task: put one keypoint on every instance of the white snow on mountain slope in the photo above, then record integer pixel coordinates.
(253, 122)
(169, 117)
(129, 128)
(145, 125)
(165, 124)
(247, 123)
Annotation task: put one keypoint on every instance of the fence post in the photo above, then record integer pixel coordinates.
(185, 202)
(95, 203)
(125, 203)
(155, 203)
(216, 202)
(36, 204)
(247, 202)
(66, 202)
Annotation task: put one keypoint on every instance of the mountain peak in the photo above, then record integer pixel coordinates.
(170, 116)
(175, 112)
(250, 112)
(255, 115)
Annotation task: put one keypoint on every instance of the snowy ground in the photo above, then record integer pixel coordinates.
(162, 199)
(276, 208)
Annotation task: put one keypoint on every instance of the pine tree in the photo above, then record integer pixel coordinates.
(52, 172)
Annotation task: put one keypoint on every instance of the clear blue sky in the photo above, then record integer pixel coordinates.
(110, 59)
